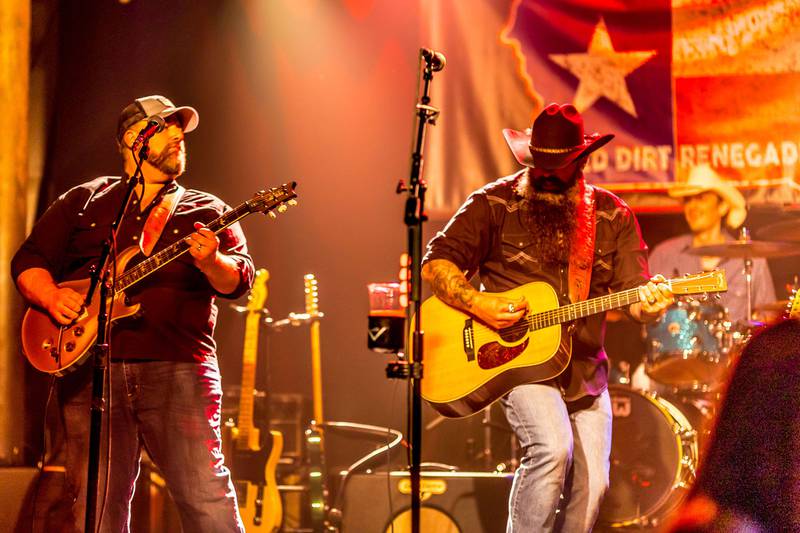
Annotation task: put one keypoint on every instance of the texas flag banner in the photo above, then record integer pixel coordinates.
(679, 82)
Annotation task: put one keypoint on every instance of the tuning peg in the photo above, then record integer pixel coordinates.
(272, 215)
(292, 202)
(282, 208)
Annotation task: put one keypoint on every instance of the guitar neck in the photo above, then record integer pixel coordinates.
(582, 309)
(175, 250)
(316, 372)
(245, 421)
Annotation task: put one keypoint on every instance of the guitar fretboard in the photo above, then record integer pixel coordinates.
(245, 421)
(582, 309)
(176, 249)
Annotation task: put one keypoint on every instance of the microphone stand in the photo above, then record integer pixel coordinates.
(100, 351)
(414, 217)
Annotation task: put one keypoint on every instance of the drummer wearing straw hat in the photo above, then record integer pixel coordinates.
(713, 208)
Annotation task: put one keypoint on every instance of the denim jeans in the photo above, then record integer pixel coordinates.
(172, 409)
(565, 464)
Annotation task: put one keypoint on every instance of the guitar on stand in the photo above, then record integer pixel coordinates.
(253, 462)
(315, 444)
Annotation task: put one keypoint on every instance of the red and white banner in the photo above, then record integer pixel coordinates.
(680, 83)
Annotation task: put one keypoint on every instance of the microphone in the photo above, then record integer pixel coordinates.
(154, 125)
(434, 59)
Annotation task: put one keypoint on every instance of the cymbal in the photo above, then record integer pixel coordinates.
(747, 249)
(779, 305)
(788, 230)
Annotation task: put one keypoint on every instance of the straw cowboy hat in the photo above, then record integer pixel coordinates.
(702, 179)
(555, 140)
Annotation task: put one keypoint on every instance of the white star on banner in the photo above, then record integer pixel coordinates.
(601, 71)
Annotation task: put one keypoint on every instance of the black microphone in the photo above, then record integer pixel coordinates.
(154, 125)
(434, 59)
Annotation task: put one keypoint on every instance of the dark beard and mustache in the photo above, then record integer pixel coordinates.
(166, 163)
(551, 219)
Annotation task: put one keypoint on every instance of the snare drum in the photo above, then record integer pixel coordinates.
(653, 459)
(688, 347)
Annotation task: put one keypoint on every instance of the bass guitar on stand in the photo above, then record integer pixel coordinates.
(253, 459)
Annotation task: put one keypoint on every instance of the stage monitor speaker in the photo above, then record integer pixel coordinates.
(16, 486)
(452, 502)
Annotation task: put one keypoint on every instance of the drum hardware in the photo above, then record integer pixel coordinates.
(747, 249)
(688, 347)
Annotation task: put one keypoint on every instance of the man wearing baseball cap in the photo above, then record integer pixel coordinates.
(546, 224)
(165, 386)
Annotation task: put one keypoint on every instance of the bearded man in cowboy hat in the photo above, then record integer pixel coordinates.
(545, 223)
(713, 208)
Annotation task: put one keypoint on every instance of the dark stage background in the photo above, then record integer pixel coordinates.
(317, 91)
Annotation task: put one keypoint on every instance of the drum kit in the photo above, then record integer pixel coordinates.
(659, 432)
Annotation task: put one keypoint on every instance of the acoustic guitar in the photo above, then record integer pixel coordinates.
(253, 462)
(469, 365)
(56, 349)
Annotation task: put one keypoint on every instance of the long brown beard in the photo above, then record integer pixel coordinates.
(551, 218)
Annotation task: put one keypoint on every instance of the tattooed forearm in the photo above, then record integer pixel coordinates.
(449, 283)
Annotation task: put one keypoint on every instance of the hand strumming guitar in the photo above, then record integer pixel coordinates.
(453, 288)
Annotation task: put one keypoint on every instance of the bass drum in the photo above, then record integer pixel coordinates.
(653, 459)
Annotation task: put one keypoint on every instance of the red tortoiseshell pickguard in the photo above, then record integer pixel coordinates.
(494, 354)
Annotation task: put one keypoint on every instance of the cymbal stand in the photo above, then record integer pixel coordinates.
(744, 235)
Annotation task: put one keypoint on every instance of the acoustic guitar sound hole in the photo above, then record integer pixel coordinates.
(515, 332)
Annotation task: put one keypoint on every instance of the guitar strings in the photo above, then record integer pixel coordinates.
(559, 315)
(553, 317)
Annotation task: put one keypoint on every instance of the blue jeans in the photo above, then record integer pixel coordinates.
(172, 409)
(566, 451)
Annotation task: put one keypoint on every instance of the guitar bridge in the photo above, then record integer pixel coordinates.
(468, 338)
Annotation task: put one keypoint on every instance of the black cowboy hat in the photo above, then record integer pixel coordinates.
(555, 140)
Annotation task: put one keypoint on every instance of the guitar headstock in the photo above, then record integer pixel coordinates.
(311, 295)
(704, 282)
(277, 198)
(258, 294)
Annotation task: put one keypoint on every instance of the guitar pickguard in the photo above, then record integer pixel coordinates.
(494, 354)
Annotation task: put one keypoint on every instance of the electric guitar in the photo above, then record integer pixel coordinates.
(56, 349)
(253, 462)
(315, 445)
(469, 365)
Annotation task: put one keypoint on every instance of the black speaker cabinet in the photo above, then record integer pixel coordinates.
(452, 502)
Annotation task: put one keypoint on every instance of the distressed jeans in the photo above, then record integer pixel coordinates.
(172, 409)
(566, 452)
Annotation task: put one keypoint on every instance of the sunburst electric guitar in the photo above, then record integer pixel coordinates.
(56, 349)
(469, 365)
(253, 461)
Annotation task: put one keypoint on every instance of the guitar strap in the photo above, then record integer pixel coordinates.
(582, 256)
(158, 218)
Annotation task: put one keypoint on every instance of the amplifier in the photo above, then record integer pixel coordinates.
(452, 502)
